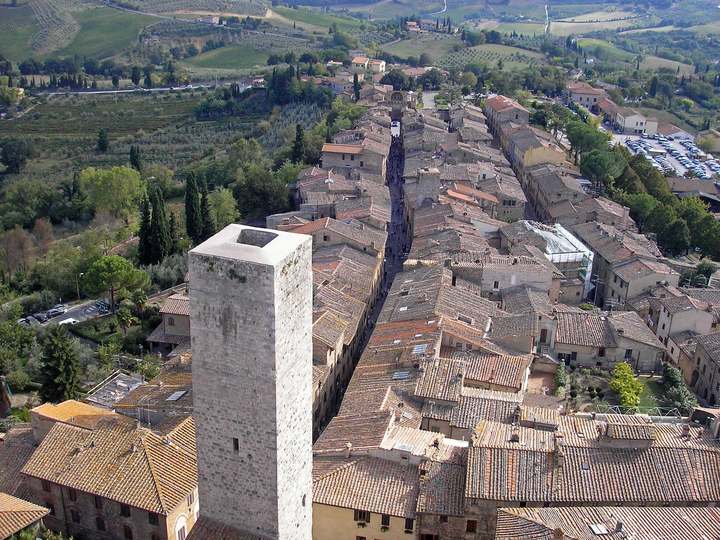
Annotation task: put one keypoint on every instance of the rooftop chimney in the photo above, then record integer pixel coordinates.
(348, 450)
(619, 527)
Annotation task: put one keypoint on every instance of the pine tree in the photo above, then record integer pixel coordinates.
(298, 148)
(144, 249)
(135, 158)
(103, 144)
(208, 221)
(193, 218)
(160, 240)
(60, 366)
(174, 234)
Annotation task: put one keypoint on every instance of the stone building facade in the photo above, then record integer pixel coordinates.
(251, 314)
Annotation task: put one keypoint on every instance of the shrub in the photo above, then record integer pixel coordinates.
(625, 385)
(560, 376)
(18, 380)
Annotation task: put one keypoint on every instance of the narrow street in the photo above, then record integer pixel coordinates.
(397, 241)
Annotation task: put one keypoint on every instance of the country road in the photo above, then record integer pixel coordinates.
(443, 10)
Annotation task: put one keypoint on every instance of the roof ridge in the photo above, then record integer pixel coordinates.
(521, 513)
(337, 469)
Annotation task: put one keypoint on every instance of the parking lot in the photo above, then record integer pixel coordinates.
(672, 157)
(62, 314)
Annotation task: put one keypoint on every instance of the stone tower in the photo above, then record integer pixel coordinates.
(251, 320)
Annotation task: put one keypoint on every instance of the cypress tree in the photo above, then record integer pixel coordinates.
(298, 148)
(208, 221)
(60, 366)
(174, 234)
(160, 240)
(135, 158)
(193, 218)
(102, 141)
(144, 249)
(356, 87)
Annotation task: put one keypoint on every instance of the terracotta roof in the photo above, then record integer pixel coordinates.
(177, 304)
(16, 514)
(580, 87)
(507, 463)
(342, 148)
(118, 461)
(375, 485)
(206, 528)
(640, 268)
(16, 448)
(630, 325)
(489, 368)
(73, 412)
(442, 489)
(441, 379)
(585, 329)
(576, 523)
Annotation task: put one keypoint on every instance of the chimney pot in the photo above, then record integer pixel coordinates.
(348, 450)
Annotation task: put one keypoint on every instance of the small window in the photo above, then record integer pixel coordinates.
(325, 238)
(127, 532)
(75, 515)
(471, 526)
(50, 506)
(496, 285)
(190, 498)
(153, 518)
(409, 524)
(362, 164)
(443, 519)
(601, 352)
(362, 515)
(46, 486)
(236, 444)
(124, 510)
(181, 534)
(385, 521)
(628, 354)
(72, 494)
(98, 502)
(360, 538)
(352, 158)
(171, 321)
(99, 523)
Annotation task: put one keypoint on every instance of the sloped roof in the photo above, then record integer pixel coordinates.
(176, 304)
(120, 462)
(673, 523)
(16, 514)
(372, 484)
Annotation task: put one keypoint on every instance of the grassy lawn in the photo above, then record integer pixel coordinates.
(490, 53)
(567, 28)
(104, 32)
(317, 18)
(231, 57)
(17, 25)
(436, 45)
(652, 393)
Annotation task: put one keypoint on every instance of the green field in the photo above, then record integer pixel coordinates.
(231, 57)
(603, 15)
(389, 9)
(316, 18)
(436, 45)
(17, 25)
(655, 62)
(604, 50)
(83, 116)
(526, 29)
(104, 32)
(490, 53)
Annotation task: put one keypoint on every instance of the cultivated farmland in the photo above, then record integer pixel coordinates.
(490, 54)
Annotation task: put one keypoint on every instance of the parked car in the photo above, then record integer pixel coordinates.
(40, 316)
(69, 321)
